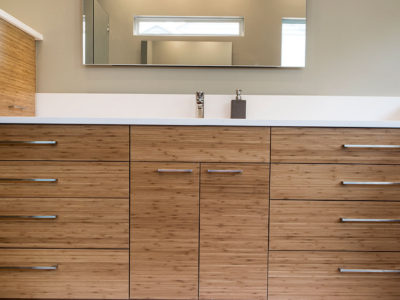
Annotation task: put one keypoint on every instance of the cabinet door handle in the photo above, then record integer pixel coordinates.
(29, 179)
(371, 146)
(28, 142)
(367, 271)
(226, 171)
(175, 171)
(346, 220)
(17, 107)
(369, 183)
(39, 268)
(30, 217)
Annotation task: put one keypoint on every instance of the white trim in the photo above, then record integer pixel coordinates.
(17, 23)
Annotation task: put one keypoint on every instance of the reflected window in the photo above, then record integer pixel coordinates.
(293, 42)
(188, 26)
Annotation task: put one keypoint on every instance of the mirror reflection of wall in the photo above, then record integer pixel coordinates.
(196, 32)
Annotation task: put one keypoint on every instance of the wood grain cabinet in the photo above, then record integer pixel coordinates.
(164, 230)
(199, 213)
(335, 214)
(64, 212)
(199, 230)
(233, 231)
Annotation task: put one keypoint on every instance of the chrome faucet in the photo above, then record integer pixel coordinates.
(200, 104)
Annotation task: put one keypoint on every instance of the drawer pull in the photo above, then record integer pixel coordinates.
(30, 217)
(371, 146)
(345, 220)
(369, 183)
(226, 171)
(29, 142)
(39, 268)
(367, 271)
(175, 171)
(17, 107)
(29, 179)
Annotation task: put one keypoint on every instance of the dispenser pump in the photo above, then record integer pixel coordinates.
(238, 106)
(238, 94)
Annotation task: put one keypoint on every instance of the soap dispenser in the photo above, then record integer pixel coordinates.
(238, 106)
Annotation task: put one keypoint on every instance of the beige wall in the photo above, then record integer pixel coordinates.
(353, 49)
(261, 44)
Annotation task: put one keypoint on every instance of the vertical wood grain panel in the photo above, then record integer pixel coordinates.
(234, 232)
(17, 71)
(164, 231)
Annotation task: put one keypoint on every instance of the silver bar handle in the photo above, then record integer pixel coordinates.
(39, 268)
(367, 271)
(30, 179)
(346, 220)
(371, 146)
(29, 142)
(17, 107)
(30, 217)
(175, 171)
(369, 183)
(226, 171)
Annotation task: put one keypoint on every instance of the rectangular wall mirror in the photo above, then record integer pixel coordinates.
(214, 33)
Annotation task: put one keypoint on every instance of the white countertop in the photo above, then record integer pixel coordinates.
(200, 122)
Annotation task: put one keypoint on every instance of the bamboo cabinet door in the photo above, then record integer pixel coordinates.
(164, 231)
(233, 231)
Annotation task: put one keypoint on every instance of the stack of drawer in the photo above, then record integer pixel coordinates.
(64, 203)
(335, 214)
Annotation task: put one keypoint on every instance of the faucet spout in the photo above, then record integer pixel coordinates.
(200, 97)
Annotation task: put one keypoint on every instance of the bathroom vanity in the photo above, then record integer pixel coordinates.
(131, 209)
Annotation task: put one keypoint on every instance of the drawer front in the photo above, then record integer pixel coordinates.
(335, 225)
(233, 231)
(64, 179)
(64, 223)
(316, 276)
(165, 231)
(335, 182)
(76, 274)
(200, 144)
(335, 145)
(64, 142)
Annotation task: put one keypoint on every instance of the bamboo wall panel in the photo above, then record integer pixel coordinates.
(17, 71)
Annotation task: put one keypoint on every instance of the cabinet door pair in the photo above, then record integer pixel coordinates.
(199, 231)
